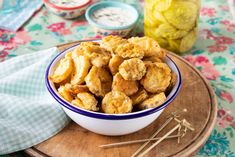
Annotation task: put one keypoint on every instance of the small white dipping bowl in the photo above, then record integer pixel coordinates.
(68, 12)
(105, 29)
(110, 124)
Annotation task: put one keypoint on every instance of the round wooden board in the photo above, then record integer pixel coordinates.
(195, 95)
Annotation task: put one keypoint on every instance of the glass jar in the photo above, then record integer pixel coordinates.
(173, 23)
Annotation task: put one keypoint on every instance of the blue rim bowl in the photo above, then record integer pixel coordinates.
(99, 5)
(64, 103)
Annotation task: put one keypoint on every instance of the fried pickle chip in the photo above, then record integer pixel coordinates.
(153, 59)
(167, 31)
(81, 68)
(65, 94)
(129, 50)
(132, 69)
(149, 45)
(139, 97)
(99, 81)
(114, 64)
(75, 89)
(188, 41)
(111, 42)
(98, 56)
(162, 5)
(172, 82)
(182, 14)
(62, 71)
(157, 77)
(126, 86)
(153, 101)
(86, 101)
(116, 102)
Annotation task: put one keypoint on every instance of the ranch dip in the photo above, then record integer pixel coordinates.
(112, 16)
(68, 3)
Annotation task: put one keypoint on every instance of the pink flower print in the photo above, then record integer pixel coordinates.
(225, 22)
(78, 23)
(3, 55)
(229, 118)
(208, 11)
(221, 112)
(65, 32)
(56, 27)
(209, 71)
(217, 48)
(22, 37)
(207, 34)
(201, 59)
(233, 124)
(7, 40)
(226, 96)
(224, 40)
(191, 59)
(224, 7)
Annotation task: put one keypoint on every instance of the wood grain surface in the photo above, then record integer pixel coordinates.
(195, 95)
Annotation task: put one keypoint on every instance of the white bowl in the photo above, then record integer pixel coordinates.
(67, 12)
(110, 124)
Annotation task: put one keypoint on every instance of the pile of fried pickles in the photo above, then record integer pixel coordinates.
(115, 76)
(173, 23)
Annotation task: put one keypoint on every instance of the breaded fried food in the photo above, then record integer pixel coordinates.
(129, 50)
(139, 97)
(86, 101)
(65, 94)
(114, 64)
(157, 77)
(98, 56)
(128, 87)
(62, 71)
(75, 89)
(152, 59)
(99, 81)
(111, 42)
(116, 102)
(132, 69)
(149, 45)
(172, 82)
(153, 101)
(81, 68)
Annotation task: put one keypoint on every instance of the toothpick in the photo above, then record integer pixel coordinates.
(185, 123)
(151, 137)
(136, 141)
(160, 140)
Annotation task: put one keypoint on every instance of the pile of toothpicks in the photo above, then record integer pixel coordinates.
(181, 127)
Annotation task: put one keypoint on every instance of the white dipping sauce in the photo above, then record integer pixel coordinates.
(112, 16)
(68, 3)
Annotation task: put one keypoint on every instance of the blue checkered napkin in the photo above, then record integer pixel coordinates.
(14, 20)
(28, 113)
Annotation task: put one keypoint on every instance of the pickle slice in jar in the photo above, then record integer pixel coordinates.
(150, 20)
(174, 45)
(167, 31)
(188, 41)
(182, 14)
(162, 42)
(162, 5)
(159, 16)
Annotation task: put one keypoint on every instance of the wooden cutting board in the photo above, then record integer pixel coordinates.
(195, 95)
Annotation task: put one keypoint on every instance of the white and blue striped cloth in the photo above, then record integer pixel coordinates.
(14, 20)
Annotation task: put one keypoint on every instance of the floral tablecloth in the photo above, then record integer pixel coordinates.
(213, 55)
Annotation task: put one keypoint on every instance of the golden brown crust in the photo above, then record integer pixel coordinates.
(132, 69)
(129, 50)
(116, 102)
(153, 101)
(99, 81)
(139, 97)
(111, 42)
(157, 77)
(126, 86)
(75, 89)
(114, 64)
(65, 94)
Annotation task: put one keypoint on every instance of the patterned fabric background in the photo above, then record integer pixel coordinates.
(213, 55)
